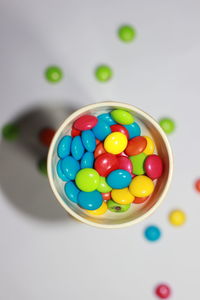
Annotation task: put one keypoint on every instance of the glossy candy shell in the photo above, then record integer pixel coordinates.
(64, 146)
(153, 166)
(72, 191)
(70, 167)
(106, 163)
(119, 179)
(136, 146)
(90, 200)
(77, 148)
(85, 122)
(101, 130)
(88, 140)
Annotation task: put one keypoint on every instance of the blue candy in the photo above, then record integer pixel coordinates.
(107, 118)
(133, 130)
(101, 130)
(64, 146)
(152, 233)
(72, 191)
(70, 167)
(90, 200)
(88, 140)
(60, 172)
(119, 179)
(77, 148)
(87, 160)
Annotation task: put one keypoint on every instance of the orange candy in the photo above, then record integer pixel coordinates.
(136, 146)
(106, 196)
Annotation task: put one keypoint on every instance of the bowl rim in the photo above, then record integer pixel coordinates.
(99, 105)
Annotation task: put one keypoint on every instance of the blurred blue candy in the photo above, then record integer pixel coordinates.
(77, 148)
(133, 130)
(88, 140)
(90, 200)
(70, 166)
(101, 130)
(64, 146)
(87, 160)
(152, 233)
(60, 172)
(107, 118)
(72, 191)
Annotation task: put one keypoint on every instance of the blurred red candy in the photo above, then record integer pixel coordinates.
(85, 122)
(120, 128)
(125, 163)
(46, 135)
(138, 200)
(106, 196)
(136, 146)
(163, 291)
(197, 185)
(75, 132)
(106, 163)
(153, 166)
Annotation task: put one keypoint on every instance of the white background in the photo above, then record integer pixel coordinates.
(44, 254)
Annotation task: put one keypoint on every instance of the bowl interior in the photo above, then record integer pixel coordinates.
(138, 211)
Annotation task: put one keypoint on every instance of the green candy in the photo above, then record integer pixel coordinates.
(87, 180)
(138, 163)
(53, 74)
(43, 166)
(126, 33)
(167, 124)
(103, 73)
(116, 207)
(122, 116)
(103, 187)
(10, 132)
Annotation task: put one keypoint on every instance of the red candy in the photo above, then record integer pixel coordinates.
(120, 128)
(125, 164)
(153, 166)
(85, 122)
(197, 185)
(106, 196)
(136, 145)
(138, 200)
(122, 154)
(75, 132)
(99, 150)
(106, 163)
(46, 135)
(163, 291)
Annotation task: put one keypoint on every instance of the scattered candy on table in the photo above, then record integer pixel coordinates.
(177, 217)
(126, 33)
(197, 185)
(42, 165)
(107, 165)
(152, 233)
(53, 74)
(103, 73)
(10, 132)
(46, 135)
(167, 124)
(163, 291)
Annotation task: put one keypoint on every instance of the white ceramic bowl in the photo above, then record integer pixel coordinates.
(137, 212)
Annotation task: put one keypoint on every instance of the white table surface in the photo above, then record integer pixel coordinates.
(44, 253)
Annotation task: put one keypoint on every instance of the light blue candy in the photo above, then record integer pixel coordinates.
(60, 172)
(70, 166)
(101, 130)
(133, 130)
(88, 140)
(77, 148)
(152, 233)
(107, 118)
(72, 191)
(90, 200)
(64, 146)
(87, 160)
(119, 179)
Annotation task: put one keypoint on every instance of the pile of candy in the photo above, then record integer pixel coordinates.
(107, 164)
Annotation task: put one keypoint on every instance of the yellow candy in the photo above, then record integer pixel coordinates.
(115, 143)
(141, 186)
(99, 211)
(122, 196)
(177, 217)
(149, 147)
